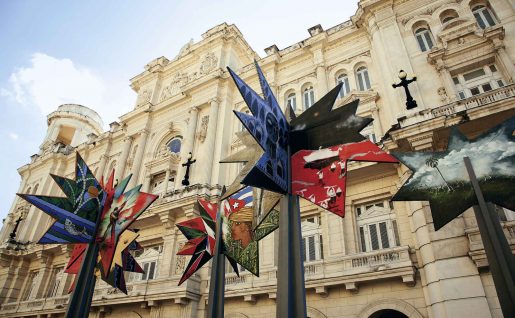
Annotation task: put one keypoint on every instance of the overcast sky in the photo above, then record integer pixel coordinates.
(85, 52)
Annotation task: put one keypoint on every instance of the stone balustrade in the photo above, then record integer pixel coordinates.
(456, 107)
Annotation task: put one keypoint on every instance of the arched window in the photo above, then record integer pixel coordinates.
(291, 99)
(448, 15)
(342, 78)
(484, 16)
(174, 145)
(424, 38)
(363, 79)
(308, 97)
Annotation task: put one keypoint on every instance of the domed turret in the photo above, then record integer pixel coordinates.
(70, 125)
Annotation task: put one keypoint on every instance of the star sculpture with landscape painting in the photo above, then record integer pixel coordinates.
(441, 177)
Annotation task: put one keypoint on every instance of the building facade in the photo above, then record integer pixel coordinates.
(382, 259)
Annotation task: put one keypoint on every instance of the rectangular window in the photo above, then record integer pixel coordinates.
(374, 239)
(461, 95)
(492, 68)
(475, 91)
(384, 235)
(500, 83)
(474, 74)
(456, 80)
(487, 87)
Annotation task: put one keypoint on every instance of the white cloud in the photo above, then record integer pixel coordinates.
(13, 136)
(49, 82)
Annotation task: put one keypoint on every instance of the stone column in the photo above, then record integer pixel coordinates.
(127, 142)
(189, 141)
(166, 268)
(209, 162)
(103, 158)
(44, 274)
(165, 186)
(16, 281)
(7, 270)
(219, 144)
(378, 127)
(321, 80)
(505, 60)
(446, 79)
(138, 159)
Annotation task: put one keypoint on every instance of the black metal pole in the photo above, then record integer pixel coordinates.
(498, 252)
(80, 299)
(215, 307)
(291, 291)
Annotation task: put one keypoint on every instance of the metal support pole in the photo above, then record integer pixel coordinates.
(80, 300)
(291, 291)
(498, 252)
(215, 307)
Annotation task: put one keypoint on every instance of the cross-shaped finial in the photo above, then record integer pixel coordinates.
(187, 164)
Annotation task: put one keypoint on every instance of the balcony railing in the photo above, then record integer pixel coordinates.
(453, 108)
(348, 270)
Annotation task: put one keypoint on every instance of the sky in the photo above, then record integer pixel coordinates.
(85, 52)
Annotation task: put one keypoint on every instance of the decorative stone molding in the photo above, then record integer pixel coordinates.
(202, 133)
(272, 49)
(209, 63)
(144, 97)
(314, 30)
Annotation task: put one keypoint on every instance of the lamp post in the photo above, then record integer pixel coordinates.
(187, 164)
(410, 102)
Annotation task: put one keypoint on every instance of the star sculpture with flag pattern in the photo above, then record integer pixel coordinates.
(92, 213)
(321, 141)
(200, 232)
(441, 178)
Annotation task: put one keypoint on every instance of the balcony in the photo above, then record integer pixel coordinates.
(453, 113)
(349, 270)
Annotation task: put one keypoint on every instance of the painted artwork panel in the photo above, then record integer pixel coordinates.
(441, 177)
(320, 175)
(240, 235)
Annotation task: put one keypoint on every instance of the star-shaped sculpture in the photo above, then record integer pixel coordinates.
(269, 127)
(320, 175)
(441, 177)
(92, 213)
(77, 213)
(122, 261)
(249, 155)
(321, 141)
(200, 232)
(120, 211)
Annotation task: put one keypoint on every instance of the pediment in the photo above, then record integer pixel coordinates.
(373, 212)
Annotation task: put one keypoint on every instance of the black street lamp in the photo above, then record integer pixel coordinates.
(410, 102)
(186, 180)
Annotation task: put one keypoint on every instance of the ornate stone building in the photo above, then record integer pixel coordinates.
(382, 259)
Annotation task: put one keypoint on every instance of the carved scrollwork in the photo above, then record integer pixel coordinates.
(202, 133)
(209, 63)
